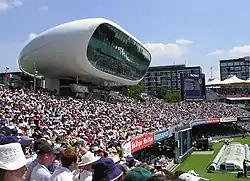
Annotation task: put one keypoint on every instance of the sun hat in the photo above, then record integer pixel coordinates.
(106, 169)
(88, 158)
(12, 156)
(138, 174)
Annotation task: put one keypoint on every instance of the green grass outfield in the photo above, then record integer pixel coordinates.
(198, 163)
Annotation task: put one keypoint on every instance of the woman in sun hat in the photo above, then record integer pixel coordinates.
(12, 162)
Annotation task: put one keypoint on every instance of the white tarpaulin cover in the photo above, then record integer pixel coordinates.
(213, 82)
(232, 79)
(234, 154)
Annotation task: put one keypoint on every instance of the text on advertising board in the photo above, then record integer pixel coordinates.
(212, 120)
(142, 142)
(243, 119)
(161, 135)
(228, 119)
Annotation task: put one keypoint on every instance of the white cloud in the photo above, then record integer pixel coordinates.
(216, 53)
(183, 42)
(234, 52)
(169, 50)
(44, 8)
(8, 4)
(239, 51)
(32, 36)
(17, 3)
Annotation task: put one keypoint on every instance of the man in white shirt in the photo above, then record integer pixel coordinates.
(45, 156)
(69, 163)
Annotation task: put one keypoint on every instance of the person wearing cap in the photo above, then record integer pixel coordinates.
(85, 166)
(12, 162)
(138, 174)
(46, 152)
(69, 164)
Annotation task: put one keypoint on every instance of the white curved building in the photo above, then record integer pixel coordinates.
(94, 50)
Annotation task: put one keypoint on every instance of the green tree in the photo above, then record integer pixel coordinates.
(160, 92)
(173, 96)
(135, 91)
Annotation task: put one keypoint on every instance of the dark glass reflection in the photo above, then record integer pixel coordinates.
(112, 51)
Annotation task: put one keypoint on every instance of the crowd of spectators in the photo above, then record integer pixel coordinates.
(120, 118)
(232, 91)
(225, 129)
(99, 127)
(245, 125)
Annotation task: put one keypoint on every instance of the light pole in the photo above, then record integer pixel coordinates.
(35, 72)
(77, 80)
(5, 77)
(211, 72)
(35, 80)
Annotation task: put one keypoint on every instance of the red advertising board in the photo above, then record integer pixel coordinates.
(212, 120)
(142, 142)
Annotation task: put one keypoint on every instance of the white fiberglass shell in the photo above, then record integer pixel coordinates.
(61, 52)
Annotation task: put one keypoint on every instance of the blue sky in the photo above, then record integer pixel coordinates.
(198, 32)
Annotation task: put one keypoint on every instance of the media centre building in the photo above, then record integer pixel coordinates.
(72, 57)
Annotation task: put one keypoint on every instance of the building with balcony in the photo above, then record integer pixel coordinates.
(238, 67)
(168, 77)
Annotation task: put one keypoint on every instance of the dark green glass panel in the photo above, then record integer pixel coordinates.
(112, 51)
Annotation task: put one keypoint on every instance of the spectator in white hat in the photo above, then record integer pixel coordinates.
(12, 162)
(85, 166)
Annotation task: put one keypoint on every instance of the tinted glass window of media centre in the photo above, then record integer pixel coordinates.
(112, 51)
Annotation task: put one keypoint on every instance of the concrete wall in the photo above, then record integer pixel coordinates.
(52, 84)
